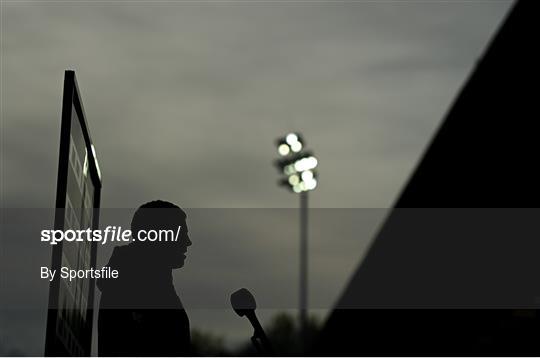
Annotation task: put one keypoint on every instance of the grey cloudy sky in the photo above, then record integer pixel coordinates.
(185, 99)
(198, 93)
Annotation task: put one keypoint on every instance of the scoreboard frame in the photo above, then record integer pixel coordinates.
(72, 109)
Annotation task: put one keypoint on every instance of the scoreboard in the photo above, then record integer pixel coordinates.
(70, 310)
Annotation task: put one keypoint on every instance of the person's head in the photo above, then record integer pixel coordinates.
(160, 228)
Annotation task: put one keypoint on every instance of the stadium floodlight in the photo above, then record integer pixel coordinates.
(298, 169)
(296, 163)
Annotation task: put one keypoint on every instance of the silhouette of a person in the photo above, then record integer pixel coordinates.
(140, 313)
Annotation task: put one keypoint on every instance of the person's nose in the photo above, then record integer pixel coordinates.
(188, 242)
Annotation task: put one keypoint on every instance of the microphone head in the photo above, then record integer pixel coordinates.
(242, 302)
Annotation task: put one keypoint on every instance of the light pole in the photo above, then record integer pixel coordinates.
(297, 167)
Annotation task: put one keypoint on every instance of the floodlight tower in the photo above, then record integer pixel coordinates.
(297, 167)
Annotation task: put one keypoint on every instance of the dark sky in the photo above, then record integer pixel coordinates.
(185, 99)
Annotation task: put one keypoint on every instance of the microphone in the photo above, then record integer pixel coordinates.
(243, 303)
